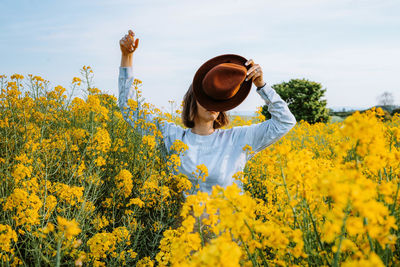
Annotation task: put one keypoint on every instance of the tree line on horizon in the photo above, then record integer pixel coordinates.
(304, 98)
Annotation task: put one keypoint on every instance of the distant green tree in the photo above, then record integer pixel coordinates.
(396, 110)
(304, 100)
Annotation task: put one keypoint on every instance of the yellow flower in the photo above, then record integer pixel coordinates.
(17, 77)
(102, 141)
(48, 228)
(21, 172)
(72, 195)
(201, 172)
(149, 141)
(100, 222)
(77, 80)
(100, 161)
(124, 182)
(7, 235)
(217, 254)
(69, 229)
(178, 146)
(136, 201)
(26, 207)
(145, 262)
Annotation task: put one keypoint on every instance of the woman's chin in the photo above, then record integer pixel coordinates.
(213, 113)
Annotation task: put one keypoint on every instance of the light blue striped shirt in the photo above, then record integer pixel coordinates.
(222, 151)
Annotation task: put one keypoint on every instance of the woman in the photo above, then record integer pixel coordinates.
(220, 150)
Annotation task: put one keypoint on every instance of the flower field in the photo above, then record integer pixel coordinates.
(80, 187)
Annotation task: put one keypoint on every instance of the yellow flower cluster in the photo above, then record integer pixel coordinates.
(7, 235)
(123, 182)
(103, 245)
(230, 227)
(201, 172)
(68, 229)
(82, 187)
(149, 141)
(25, 206)
(72, 195)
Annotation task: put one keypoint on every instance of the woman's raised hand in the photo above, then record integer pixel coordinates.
(255, 73)
(128, 44)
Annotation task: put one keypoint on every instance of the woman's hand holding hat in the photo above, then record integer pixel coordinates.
(128, 44)
(255, 73)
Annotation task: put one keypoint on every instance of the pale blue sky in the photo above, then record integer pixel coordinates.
(351, 47)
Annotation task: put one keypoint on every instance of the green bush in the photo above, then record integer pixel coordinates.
(304, 100)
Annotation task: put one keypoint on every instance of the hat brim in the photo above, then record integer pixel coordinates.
(215, 104)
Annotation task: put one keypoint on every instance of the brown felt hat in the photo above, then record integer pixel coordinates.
(219, 84)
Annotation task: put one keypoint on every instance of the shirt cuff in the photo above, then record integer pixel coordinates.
(266, 92)
(262, 86)
(125, 72)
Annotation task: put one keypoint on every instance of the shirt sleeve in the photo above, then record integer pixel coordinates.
(126, 92)
(262, 135)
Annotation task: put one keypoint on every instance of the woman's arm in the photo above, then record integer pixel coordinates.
(127, 91)
(126, 60)
(261, 135)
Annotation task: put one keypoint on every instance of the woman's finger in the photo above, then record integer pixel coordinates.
(249, 76)
(136, 43)
(122, 42)
(255, 66)
(252, 71)
(255, 76)
(128, 42)
(249, 62)
(257, 72)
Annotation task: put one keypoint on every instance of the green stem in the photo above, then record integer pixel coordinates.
(315, 230)
(265, 263)
(395, 198)
(288, 195)
(200, 232)
(248, 252)
(58, 257)
(368, 236)
(337, 254)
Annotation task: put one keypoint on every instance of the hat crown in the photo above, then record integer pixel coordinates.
(225, 86)
(224, 80)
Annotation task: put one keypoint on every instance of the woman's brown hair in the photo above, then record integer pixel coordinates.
(190, 110)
